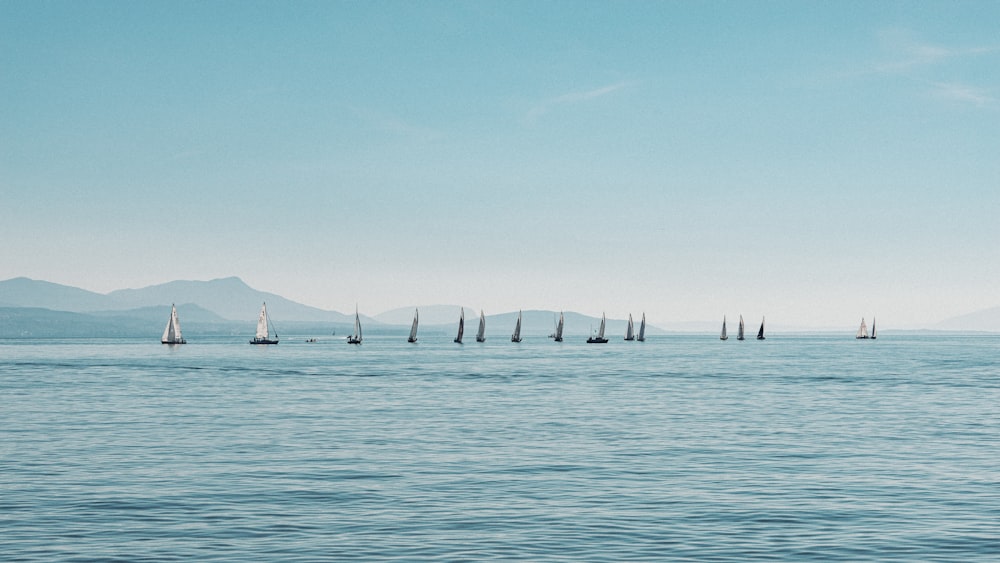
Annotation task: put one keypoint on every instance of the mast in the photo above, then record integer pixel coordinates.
(630, 331)
(642, 329)
(481, 335)
(516, 337)
(723, 336)
(739, 335)
(413, 329)
(559, 328)
(461, 326)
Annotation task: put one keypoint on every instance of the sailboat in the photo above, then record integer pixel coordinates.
(172, 334)
(739, 335)
(630, 331)
(461, 326)
(862, 331)
(516, 337)
(356, 337)
(481, 335)
(723, 336)
(413, 329)
(599, 339)
(263, 335)
(642, 329)
(873, 328)
(760, 333)
(559, 329)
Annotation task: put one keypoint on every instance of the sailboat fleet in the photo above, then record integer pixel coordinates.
(266, 334)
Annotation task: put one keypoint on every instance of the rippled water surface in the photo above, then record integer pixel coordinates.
(679, 448)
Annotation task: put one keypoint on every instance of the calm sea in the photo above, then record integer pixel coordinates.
(680, 448)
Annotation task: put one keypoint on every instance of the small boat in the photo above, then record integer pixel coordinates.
(263, 335)
(723, 336)
(311, 340)
(559, 329)
(481, 335)
(642, 329)
(760, 333)
(516, 337)
(172, 334)
(739, 335)
(599, 338)
(873, 328)
(356, 337)
(630, 331)
(413, 328)
(461, 326)
(862, 331)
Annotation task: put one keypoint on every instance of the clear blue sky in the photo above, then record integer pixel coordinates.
(811, 161)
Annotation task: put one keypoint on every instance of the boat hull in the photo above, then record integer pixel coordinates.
(352, 340)
(597, 341)
(478, 339)
(181, 341)
(263, 341)
(411, 340)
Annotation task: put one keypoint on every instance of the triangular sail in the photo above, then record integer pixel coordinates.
(262, 323)
(559, 328)
(642, 329)
(600, 332)
(461, 326)
(739, 334)
(630, 331)
(413, 328)
(356, 337)
(723, 336)
(481, 335)
(873, 328)
(862, 330)
(760, 333)
(172, 332)
(516, 337)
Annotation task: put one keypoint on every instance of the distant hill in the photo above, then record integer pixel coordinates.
(987, 320)
(229, 298)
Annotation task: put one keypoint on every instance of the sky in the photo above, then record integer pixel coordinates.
(814, 162)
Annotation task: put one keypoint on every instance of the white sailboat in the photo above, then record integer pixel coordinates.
(413, 328)
(642, 329)
(599, 339)
(461, 326)
(516, 337)
(356, 337)
(739, 335)
(862, 331)
(559, 329)
(630, 331)
(172, 334)
(481, 334)
(723, 336)
(263, 335)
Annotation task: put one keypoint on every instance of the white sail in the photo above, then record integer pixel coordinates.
(559, 328)
(630, 331)
(461, 326)
(642, 329)
(356, 337)
(739, 335)
(172, 333)
(516, 337)
(262, 323)
(723, 336)
(600, 331)
(481, 335)
(862, 330)
(413, 329)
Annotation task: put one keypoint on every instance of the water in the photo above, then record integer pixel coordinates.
(679, 448)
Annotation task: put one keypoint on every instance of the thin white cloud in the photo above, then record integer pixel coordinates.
(963, 93)
(543, 107)
(392, 124)
(904, 52)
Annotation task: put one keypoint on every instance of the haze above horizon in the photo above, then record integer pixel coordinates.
(811, 162)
